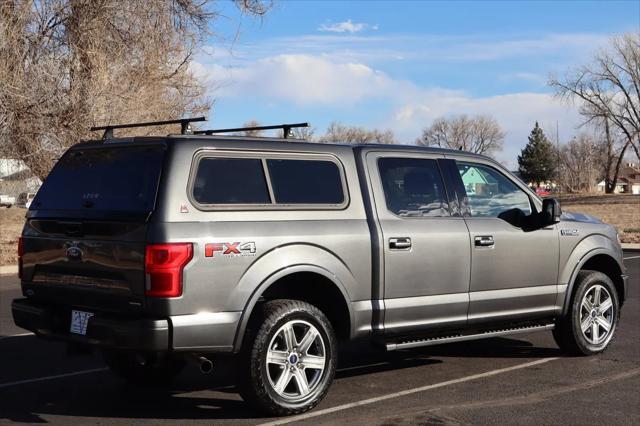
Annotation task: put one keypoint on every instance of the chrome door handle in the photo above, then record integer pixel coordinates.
(402, 243)
(484, 241)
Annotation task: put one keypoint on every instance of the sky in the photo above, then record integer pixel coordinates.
(401, 64)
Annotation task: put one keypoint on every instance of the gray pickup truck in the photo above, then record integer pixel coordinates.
(196, 246)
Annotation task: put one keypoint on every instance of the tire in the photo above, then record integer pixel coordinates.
(289, 358)
(569, 334)
(151, 370)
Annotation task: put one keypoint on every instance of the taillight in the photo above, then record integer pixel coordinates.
(20, 254)
(163, 265)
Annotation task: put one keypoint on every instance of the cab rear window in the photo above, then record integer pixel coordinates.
(110, 178)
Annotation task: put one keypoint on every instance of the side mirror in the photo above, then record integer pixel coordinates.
(550, 211)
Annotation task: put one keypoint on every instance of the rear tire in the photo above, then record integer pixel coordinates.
(288, 359)
(589, 326)
(150, 370)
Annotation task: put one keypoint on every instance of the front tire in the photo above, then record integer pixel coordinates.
(590, 325)
(289, 358)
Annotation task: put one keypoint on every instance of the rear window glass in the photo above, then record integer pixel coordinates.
(230, 181)
(109, 178)
(413, 187)
(305, 182)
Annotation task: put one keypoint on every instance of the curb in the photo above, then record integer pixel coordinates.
(629, 246)
(9, 270)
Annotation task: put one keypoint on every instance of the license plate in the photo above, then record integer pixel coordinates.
(79, 322)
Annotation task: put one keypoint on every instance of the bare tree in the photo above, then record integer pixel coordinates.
(303, 133)
(580, 163)
(339, 133)
(251, 123)
(613, 152)
(480, 134)
(66, 65)
(608, 89)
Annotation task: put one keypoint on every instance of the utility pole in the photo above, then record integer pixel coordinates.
(557, 157)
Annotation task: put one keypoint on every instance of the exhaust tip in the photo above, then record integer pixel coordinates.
(206, 366)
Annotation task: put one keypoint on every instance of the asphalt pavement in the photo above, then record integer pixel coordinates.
(520, 380)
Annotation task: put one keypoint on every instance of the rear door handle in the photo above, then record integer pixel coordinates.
(484, 241)
(401, 243)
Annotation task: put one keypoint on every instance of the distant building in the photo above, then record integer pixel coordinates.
(628, 180)
(16, 177)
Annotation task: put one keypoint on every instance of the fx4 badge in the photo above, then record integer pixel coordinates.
(569, 232)
(230, 249)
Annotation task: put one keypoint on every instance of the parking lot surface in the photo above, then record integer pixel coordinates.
(524, 379)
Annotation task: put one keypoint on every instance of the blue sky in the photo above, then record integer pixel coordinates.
(398, 65)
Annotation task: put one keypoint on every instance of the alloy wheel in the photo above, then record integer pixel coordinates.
(597, 316)
(296, 360)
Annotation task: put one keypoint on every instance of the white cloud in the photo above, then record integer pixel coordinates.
(516, 113)
(311, 81)
(561, 48)
(308, 80)
(345, 27)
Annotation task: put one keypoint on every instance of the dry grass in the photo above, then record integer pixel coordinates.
(622, 211)
(11, 221)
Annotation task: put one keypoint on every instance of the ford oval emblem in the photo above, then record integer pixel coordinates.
(74, 253)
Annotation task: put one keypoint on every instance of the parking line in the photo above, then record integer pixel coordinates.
(16, 335)
(406, 392)
(57, 376)
(632, 257)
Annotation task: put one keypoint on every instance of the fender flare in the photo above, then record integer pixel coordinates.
(274, 277)
(574, 274)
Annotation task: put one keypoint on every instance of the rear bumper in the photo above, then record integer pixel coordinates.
(103, 330)
(204, 332)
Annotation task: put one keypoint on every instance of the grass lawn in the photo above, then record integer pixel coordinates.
(11, 221)
(622, 211)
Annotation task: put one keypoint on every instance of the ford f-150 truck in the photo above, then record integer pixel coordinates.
(156, 250)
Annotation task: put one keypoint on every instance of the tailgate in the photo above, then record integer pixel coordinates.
(98, 271)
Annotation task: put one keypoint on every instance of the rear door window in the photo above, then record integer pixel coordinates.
(106, 178)
(230, 181)
(413, 187)
(305, 181)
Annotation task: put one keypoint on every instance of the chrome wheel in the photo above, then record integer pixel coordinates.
(296, 360)
(597, 316)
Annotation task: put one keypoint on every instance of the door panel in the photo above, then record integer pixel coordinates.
(427, 257)
(516, 276)
(513, 273)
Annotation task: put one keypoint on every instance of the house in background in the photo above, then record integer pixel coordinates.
(628, 180)
(16, 177)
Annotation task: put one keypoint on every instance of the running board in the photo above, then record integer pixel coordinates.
(464, 337)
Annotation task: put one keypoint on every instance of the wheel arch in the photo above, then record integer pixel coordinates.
(600, 260)
(327, 293)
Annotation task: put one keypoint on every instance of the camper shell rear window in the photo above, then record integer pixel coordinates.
(109, 178)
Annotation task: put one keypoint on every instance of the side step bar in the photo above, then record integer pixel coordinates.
(464, 337)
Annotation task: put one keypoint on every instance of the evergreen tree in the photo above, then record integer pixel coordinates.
(537, 161)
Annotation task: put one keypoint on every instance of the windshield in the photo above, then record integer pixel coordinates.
(110, 178)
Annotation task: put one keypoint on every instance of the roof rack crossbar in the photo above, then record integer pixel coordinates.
(285, 127)
(185, 126)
